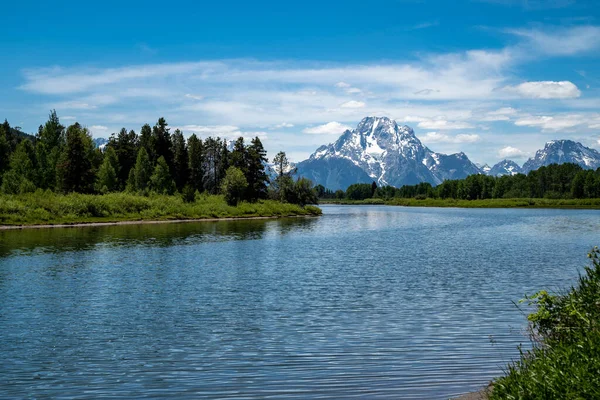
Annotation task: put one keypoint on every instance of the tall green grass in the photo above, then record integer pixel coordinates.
(50, 208)
(565, 360)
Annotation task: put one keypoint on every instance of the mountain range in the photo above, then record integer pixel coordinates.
(380, 150)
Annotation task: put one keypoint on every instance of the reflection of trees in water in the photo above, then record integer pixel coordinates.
(153, 235)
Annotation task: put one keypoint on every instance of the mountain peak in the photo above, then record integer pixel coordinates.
(564, 151)
(386, 153)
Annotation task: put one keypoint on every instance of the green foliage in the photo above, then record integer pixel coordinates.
(107, 179)
(188, 194)
(142, 171)
(125, 145)
(196, 162)
(74, 168)
(21, 175)
(180, 160)
(162, 141)
(234, 186)
(46, 207)
(161, 181)
(565, 360)
(359, 191)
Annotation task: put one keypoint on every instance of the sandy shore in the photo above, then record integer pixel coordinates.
(480, 395)
(144, 222)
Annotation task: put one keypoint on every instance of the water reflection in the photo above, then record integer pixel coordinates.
(53, 240)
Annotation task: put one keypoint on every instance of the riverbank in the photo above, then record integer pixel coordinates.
(46, 209)
(487, 203)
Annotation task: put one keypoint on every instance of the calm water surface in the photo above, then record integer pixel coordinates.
(364, 302)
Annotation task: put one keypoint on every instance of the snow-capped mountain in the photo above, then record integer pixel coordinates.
(382, 151)
(100, 143)
(484, 168)
(563, 151)
(504, 167)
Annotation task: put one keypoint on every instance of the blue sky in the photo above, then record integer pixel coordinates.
(492, 78)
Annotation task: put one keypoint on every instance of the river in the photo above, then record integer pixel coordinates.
(363, 302)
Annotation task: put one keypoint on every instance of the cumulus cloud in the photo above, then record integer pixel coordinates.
(501, 114)
(194, 96)
(330, 128)
(437, 137)
(342, 85)
(552, 123)
(510, 151)
(353, 104)
(545, 90)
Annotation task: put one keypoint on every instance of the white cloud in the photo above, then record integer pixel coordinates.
(545, 90)
(194, 97)
(552, 123)
(353, 104)
(330, 128)
(353, 90)
(283, 125)
(510, 151)
(68, 118)
(561, 41)
(437, 137)
(342, 85)
(443, 124)
(501, 114)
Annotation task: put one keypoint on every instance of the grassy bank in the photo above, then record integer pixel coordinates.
(488, 203)
(41, 208)
(565, 360)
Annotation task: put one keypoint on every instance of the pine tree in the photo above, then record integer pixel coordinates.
(125, 145)
(180, 160)
(21, 174)
(74, 170)
(52, 134)
(196, 162)
(239, 155)
(147, 141)
(4, 153)
(256, 174)
(161, 181)
(142, 171)
(106, 179)
(163, 145)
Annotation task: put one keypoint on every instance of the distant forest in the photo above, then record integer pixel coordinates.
(65, 159)
(564, 181)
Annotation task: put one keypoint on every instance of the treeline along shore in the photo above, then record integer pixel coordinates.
(554, 186)
(59, 176)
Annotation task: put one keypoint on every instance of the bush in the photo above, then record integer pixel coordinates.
(565, 360)
(234, 186)
(188, 194)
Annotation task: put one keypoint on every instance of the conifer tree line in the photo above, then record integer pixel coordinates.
(65, 159)
(564, 181)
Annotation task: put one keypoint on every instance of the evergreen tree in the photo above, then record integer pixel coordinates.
(256, 175)
(147, 141)
(180, 160)
(239, 156)
(282, 163)
(212, 162)
(107, 179)
(578, 185)
(52, 134)
(161, 181)
(142, 171)
(163, 146)
(125, 145)
(4, 153)
(74, 170)
(196, 162)
(21, 174)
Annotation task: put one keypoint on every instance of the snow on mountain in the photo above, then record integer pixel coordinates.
(484, 168)
(100, 143)
(504, 167)
(563, 151)
(382, 151)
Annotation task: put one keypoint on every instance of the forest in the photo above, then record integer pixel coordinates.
(65, 160)
(564, 181)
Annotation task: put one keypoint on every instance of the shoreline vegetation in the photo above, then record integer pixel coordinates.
(485, 203)
(47, 209)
